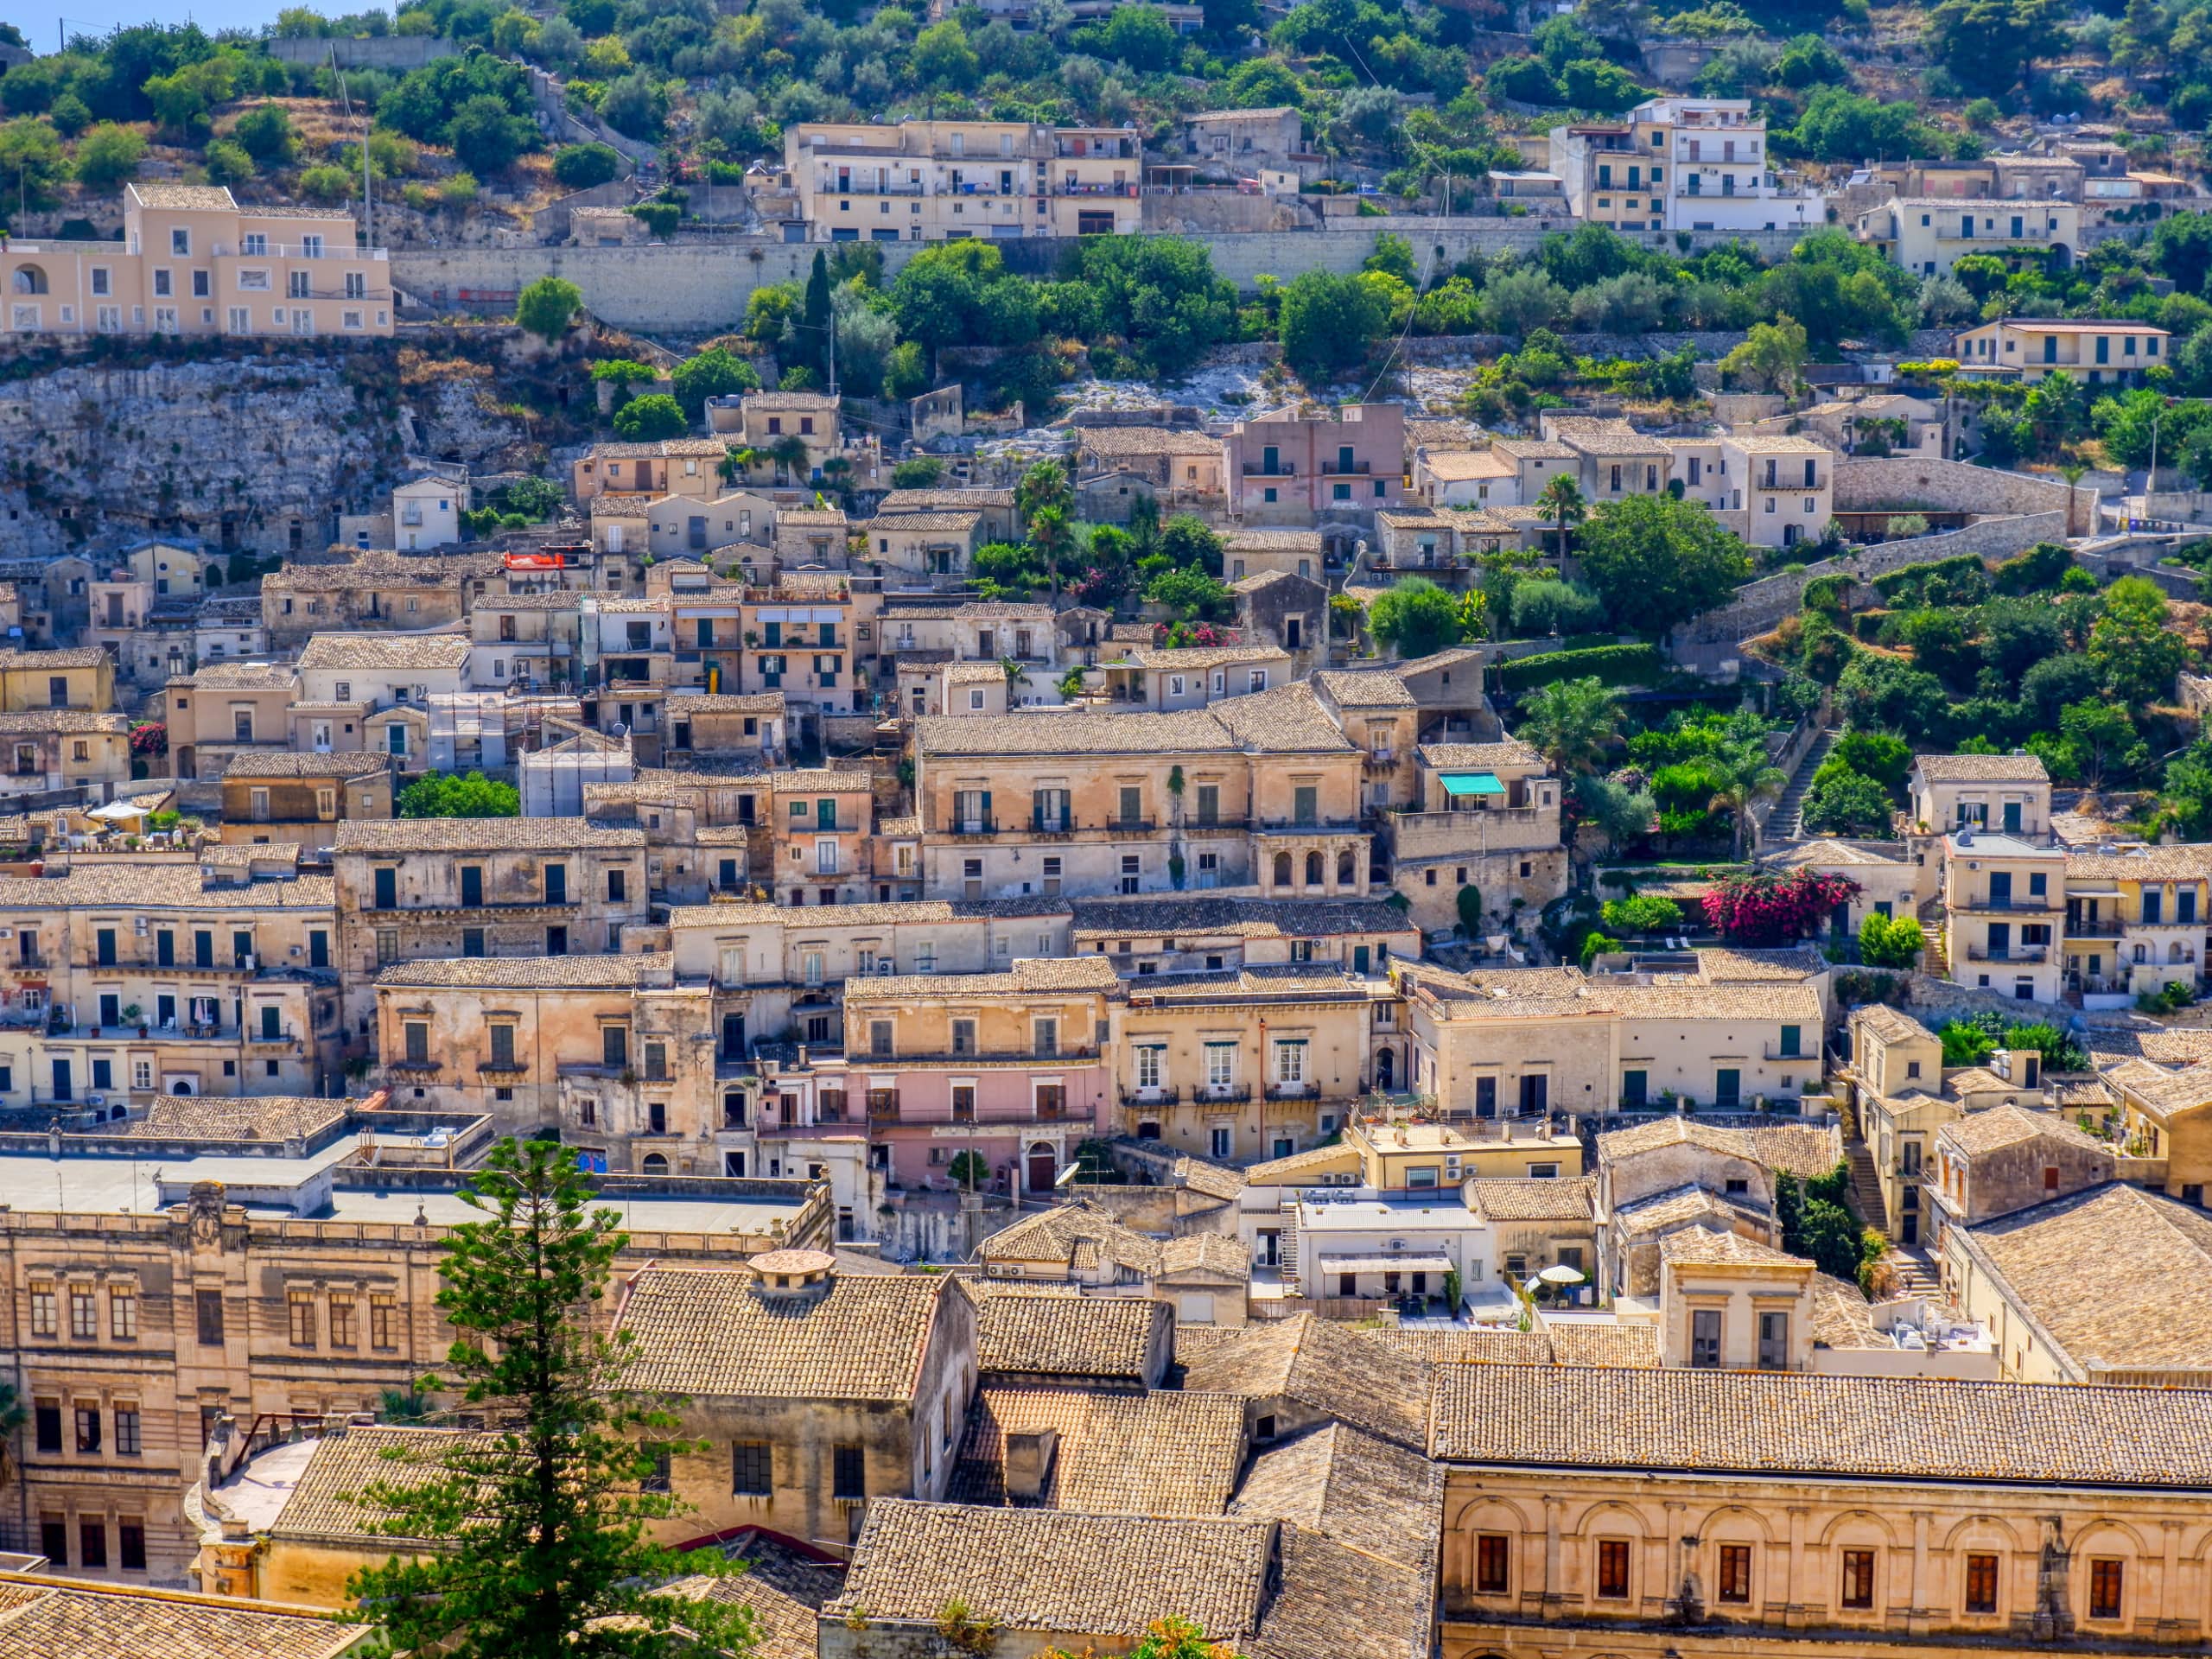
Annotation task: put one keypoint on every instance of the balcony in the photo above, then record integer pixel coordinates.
(1777, 1053)
(2103, 928)
(972, 828)
(1215, 825)
(1044, 1056)
(1294, 1092)
(1260, 469)
(1342, 468)
(873, 187)
(2027, 953)
(1131, 826)
(1142, 1097)
(1307, 826)
(1041, 824)
(2006, 903)
(1221, 1093)
(1068, 189)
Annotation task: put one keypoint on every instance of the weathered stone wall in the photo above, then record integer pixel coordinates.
(397, 53)
(691, 287)
(1909, 483)
(1760, 605)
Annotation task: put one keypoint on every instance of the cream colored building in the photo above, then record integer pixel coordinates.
(2004, 904)
(1928, 235)
(2096, 352)
(2007, 792)
(933, 180)
(1724, 1512)
(193, 262)
(1678, 164)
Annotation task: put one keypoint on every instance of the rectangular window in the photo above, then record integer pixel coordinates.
(301, 1306)
(503, 1044)
(123, 1314)
(45, 1417)
(92, 1540)
(1613, 1569)
(1493, 1564)
(1774, 1342)
(127, 1440)
(84, 1314)
(749, 1468)
(417, 1033)
(1705, 1337)
(54, 1537)
(2104, 1584)
(1981, 1584)
(614, 1046)
(344, 1331)
(207, 1305)
(383, 1327)
(130, 1544)
(1859, 1579)
(1736, 1572)
(46, 1318)
(88, 1425)
(849, 1473)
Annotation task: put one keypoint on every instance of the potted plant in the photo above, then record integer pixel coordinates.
(131, 1018)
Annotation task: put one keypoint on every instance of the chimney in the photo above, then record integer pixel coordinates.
(1029, 1463)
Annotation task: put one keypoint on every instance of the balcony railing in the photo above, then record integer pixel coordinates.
(2029, 953)
(1342, 468)
(1310, 826)
(1260, 469)
(1151, 1096)
(1797, 1053)
(1131, 826)
(1293, 1091)
(1206, 1094)
(2103, 928)
(2010, 902)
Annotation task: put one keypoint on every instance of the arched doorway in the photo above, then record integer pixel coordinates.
(654, 1164)
(1344, 868)
(1282, 869)
(1043, 1166)
(1313, 869)
(182, 1086)
(1386, 1067)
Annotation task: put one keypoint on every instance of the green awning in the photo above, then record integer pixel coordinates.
(1473, 782)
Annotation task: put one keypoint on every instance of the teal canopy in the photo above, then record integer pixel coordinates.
(1473, 782)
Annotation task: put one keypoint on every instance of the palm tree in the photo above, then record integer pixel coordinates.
(12, 1419)
(1571, 723)
(1745, 775)
(1052, 535)
(789, 453)
(1561, 501)
(1013, 670)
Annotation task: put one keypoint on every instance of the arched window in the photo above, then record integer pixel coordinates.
(1313, 869)
(2175, 953)
(2141, 955)
(1344, 876)
(1282, 869)
(29, 279)
(654, 1164)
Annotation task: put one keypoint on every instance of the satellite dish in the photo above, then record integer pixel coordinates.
(1067, 1175)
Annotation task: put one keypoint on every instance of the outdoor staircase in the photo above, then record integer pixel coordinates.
(1916, 1274)
(1787, 821)
(1287, 1245)
(1934, 920)
(1866, 1187)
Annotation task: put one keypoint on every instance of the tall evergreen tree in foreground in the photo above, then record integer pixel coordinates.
(539, 1521)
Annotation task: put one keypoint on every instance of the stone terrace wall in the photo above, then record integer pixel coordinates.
(1761, 604)
(1906, 483)
(691, 287)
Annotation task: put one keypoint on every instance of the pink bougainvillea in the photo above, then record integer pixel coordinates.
(1764, 910)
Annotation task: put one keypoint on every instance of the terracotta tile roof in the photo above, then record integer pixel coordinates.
(1379, 688)
(1514, 1198)
(54, 1619)
(168, 196)
(1980, 1133)
(1029, 973)
(716, 1333)
(530, 973)
(1174, 915)
(1301, 1167)
(1324, 1366)
(2180, 863)
(1272, 541)
(1335, 1601)
(1881, 1021)
(2058, 1261)
(783, 1589)
(327, 1504)
(1206, 1253)
(170, 886)
(241, 676)
(816, 918)
(1980, 769)
(1803, 1151)
(1842, 1317)
(1596, 1342)
(1479, 757)
(1102, 1575)
(209, 1117)
(1658, 1213)
(1122, 1451)
(372, 651)
(1120, 443)
(1191, 731)
(286, 763)
(1479, 1346)
(479, 835)
(1703, 1246)
(1052, 1334)
(1780, 1423)
(927, 500)
(1349, 1485)
(1056, 1234)
(1289, 719)
(66, 721)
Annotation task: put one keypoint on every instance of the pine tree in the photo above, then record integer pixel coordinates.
(539, 1521)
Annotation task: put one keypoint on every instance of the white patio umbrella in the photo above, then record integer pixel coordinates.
(1560, 1274)
(119, 811)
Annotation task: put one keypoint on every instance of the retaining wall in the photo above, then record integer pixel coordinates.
(1909, 483)
(1760, 605)
(398, 53)
(686, 287)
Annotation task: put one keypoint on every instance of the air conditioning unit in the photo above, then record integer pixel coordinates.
(1397, 1243)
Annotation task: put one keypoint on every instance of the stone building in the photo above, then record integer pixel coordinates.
(229, 1291)
(411, 888)
(375, 591)
(283, 795)
(1620, 1511)
(813, 1392)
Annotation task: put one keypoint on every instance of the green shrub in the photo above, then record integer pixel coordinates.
(1610, 664)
